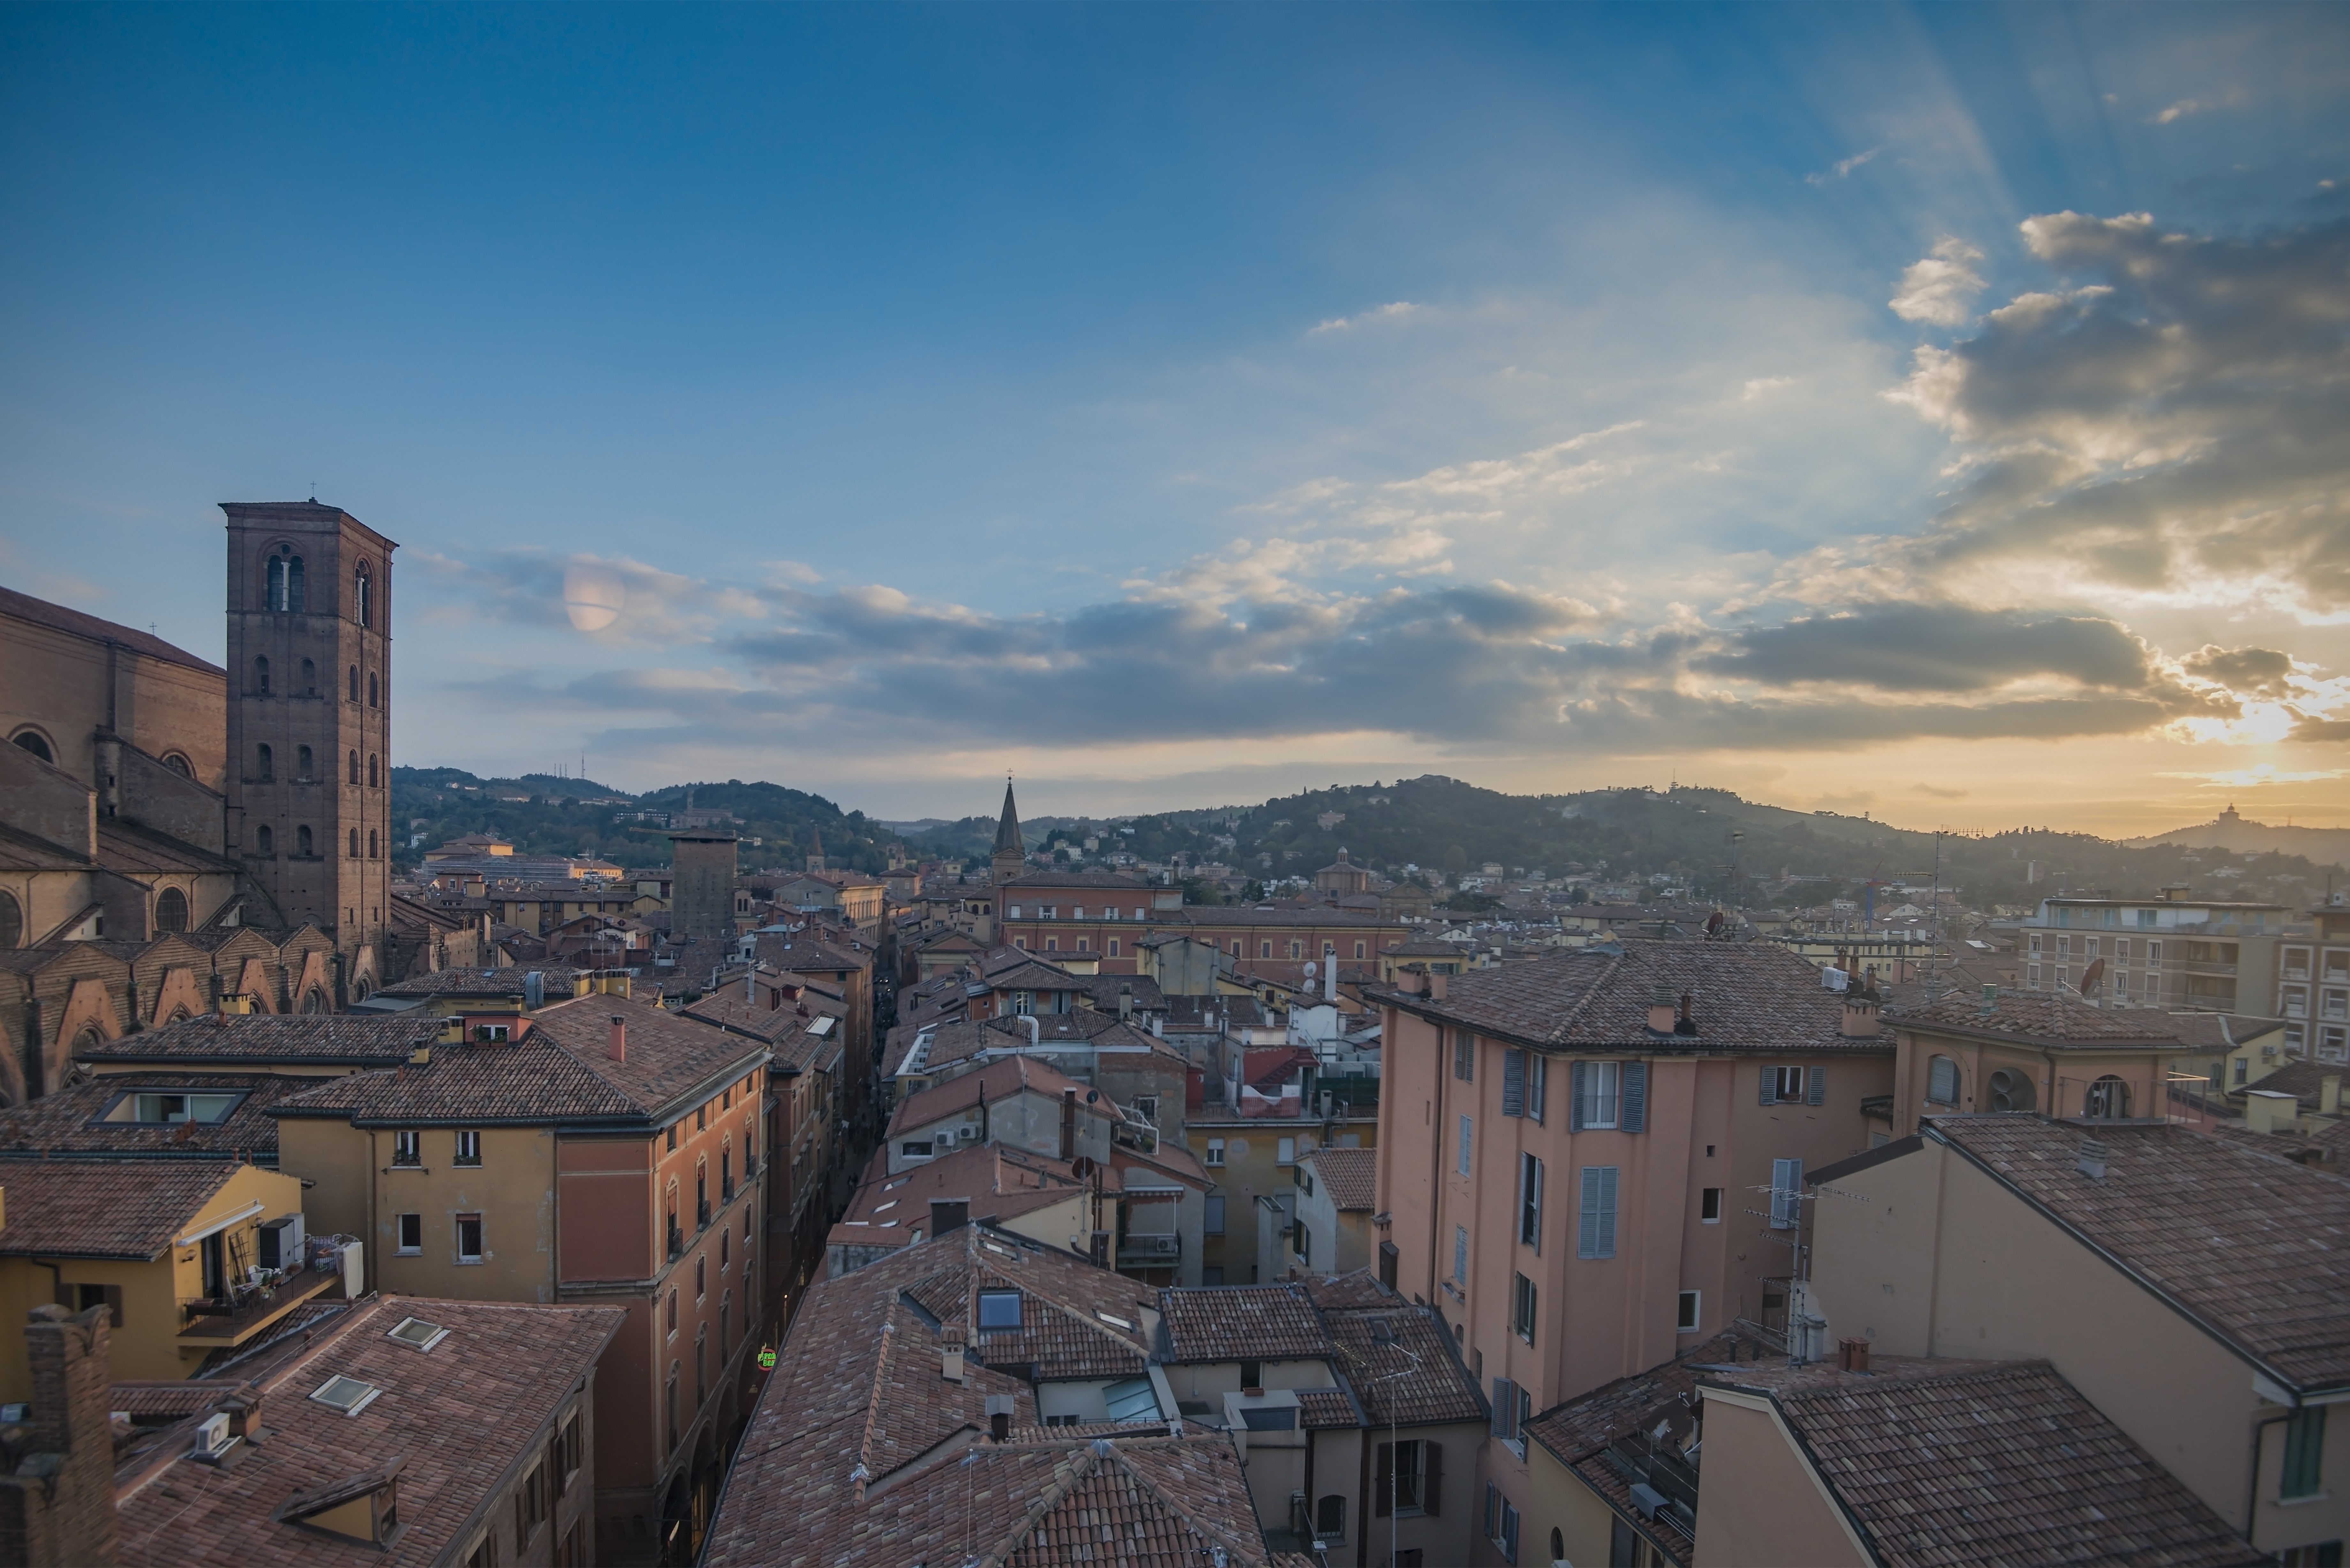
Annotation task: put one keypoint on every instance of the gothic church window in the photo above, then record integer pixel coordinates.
(171, 910)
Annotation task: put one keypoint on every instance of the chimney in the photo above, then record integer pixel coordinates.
(1436, 985)
(950, 1362)
(617, 1049)
(999, 1417)
(1990, 1002)
(1852, 1355)
(2092, 1162)
(949, 1214)
(1660, 1009)
(58, 1506)
(1859, 1021)
(1068, 1124)
(1685, 1023)
(2329, 1094)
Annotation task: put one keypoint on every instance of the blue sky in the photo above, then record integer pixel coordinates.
(1179, 405)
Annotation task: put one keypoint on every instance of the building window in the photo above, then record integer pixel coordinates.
(304, 765)
(1467, 1137)
(362, 596)
(375, 847)
(12, 920)
(1521, 1307)
(1709, 1207)
(1685, 1320)
(355, 843)
(669, 1401)
(411, 1234)
(1595, 1233)
(1113, 947)
(309, 678)
(1786, 1194)
(1284, 1151)
(283, 586)
(264, 765)
(1215, 1151)
(355, 683)
(700, 1278)
(304, 844)
(469, 1238)
(171, 910)
(1211, 1221)
(354, 767)
(1786, 1085)
(668, 1313)
(1942, 1081)
(407, 1148)
(1461, 1254)
(1251, 1375)
(1408, 1476)
(1465, 1055)
(2109, 1099)
(1599, 1095)
(2304, 1453)
(37, 744)
(1146, 1106)
(375, 770)
(264, 843)
(469, 1148)
(260, 676)
(374, 690)
(1530, 1199)
(999, 1309)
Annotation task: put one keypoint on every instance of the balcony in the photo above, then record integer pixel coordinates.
(676, 1240)
(726, 1190)
(702, 1213)
(248, 1311)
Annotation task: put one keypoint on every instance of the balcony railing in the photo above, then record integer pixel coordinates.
(702, 1213)
(249, 1309)
(726, 1190)
(676, 1240)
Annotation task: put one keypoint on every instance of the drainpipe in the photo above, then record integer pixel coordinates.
(2252, 1481)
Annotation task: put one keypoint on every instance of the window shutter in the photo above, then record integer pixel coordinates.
(1816, 1088)
(1513, 1083)
(1461, 1254)
(1607, 1211)
(1537, 1084)
(1534, 1205)
(1770, 1085)
(1579, 1090)
(1633, 1116)
(1431, 1483)
(1505, 1408)
(1465, 1136)
(1596, 1236)
(1383, 1500)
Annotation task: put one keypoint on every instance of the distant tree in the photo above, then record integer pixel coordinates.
(1200, 890)
(1456, 860)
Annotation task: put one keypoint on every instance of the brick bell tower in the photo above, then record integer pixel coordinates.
(310, 723)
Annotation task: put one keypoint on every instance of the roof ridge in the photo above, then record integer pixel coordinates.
(1067, 1472)
(1110, 1449)
(1589, 991)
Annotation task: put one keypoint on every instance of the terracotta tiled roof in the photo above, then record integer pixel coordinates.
(1228, 915)
(2218, 1032)
(1271, 1069)
(458, 1417)
(560, 1070)
(58, 618)
(996, 1080)
(1242, 1323)
(299, 1039)
(998, 1183)
(1079, 881)
(1944, 1464)
(1746, 997)
(1400, 1358)
(883, 1460)
(68, 1120)
(2043, 1018)
(499, 983)
(104, 1208)
(2305, 1080)
(1323, 1407)
(1350, 1175)
(1064, 1310)
(2247, 1244)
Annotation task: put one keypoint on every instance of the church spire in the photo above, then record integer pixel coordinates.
(1011, 850)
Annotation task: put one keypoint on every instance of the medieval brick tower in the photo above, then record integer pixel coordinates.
(310, 723)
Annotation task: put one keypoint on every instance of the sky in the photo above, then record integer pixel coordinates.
(1933, 412)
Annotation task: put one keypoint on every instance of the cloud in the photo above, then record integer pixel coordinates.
(1395, 311)
(1939, 288)
(1763, 386)
(1843, 170)
(2166, 423)
(1936, 793)
(2259, 671)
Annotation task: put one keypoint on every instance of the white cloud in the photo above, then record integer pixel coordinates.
(2179, 110)
(1939, 289)
(1390, 312)
(1763, 386)
(1843, 170)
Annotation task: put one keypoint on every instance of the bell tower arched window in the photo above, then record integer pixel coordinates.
(363, 596)
(375, 770)
(355, 843)
(355, 683)
(355, 767)
(261, 677)
(375, 698)
(282, 585)
(263, 844)
(264, 765)
(301, 842)
(309, 678)
(303, 764)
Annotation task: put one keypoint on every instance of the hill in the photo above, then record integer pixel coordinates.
(2320, 845)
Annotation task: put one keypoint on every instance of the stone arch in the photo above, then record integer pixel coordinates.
(171, 910)
(33, 740)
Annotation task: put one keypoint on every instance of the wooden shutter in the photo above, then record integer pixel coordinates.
(1579, 1092)
(1431, 1478)
(1786, 1186)
(1505, 1410)
(1533, 1203)
(1513, 1083)
(1607, 1211)
(1596, 1232)
(1770, 1085)
(1383, 1499)
(1632, 1115)
(1816, 1087)
(1537, 1084)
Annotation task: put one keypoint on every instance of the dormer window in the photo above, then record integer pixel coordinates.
(364, 1507)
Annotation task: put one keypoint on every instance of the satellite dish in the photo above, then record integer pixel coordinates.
(1309, 969)
(2091, 976)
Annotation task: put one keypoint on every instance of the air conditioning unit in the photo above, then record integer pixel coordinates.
(1157, 1246)
(213, 1440)
(967, 1134)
